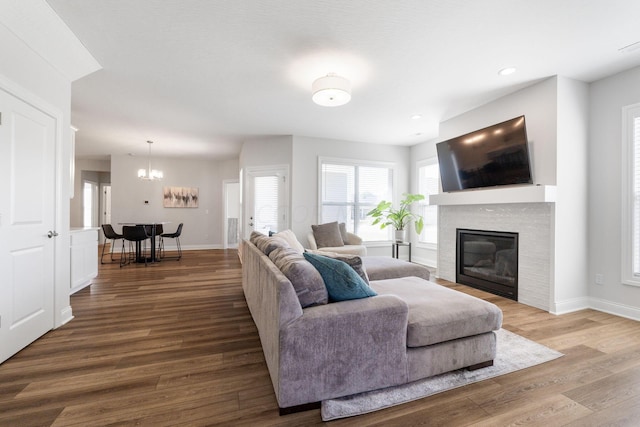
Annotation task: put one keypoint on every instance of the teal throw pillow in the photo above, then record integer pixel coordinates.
(342, 281)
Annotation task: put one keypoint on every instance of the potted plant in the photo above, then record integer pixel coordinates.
(385, 215)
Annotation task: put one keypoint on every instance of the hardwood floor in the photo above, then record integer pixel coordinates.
(174, 344)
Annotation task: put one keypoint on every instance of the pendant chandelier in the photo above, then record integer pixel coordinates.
(150, 174)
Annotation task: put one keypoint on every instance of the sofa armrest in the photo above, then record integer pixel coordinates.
(343, 348)
(353, 239)
(312, 241)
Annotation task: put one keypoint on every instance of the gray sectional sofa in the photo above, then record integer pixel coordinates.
(412, 329)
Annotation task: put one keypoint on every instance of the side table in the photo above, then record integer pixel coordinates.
(395, 249)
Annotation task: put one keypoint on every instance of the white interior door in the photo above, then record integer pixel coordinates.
(267, 200)
(27, 219)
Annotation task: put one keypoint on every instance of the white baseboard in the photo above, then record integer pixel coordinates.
(66, 315)
(192, 247)
(615, 308)
(571, 305)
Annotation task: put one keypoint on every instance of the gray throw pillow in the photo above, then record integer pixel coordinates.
(327, 235)
(304, 277)
(353, 261)
(267, 244)
(342, 282)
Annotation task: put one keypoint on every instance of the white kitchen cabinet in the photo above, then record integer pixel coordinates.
(84, 257)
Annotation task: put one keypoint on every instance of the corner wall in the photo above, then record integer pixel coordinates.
(607, 97)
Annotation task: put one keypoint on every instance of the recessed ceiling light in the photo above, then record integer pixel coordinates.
(416, 117)
(507, 71)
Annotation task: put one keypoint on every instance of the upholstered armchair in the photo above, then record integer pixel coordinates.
(324, 238)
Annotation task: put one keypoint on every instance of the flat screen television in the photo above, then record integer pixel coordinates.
(495, 155)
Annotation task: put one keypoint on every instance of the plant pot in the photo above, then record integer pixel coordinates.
(401, 235)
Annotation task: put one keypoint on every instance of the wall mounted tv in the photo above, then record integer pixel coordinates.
(496, 155)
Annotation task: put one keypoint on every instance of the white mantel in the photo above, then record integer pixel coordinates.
(500, 195)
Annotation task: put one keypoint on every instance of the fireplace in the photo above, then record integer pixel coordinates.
(488, 260)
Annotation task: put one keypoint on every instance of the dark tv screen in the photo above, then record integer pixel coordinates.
(496, 155)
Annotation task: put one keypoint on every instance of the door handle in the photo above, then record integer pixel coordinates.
(51, 234)
(250, 224)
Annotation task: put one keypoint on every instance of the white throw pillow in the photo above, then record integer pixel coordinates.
(291, 239)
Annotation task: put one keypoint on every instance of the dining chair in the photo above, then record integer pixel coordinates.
(134, 234)
(110, 234)
(176, 236)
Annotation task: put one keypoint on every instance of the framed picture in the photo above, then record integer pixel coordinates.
(180, 197)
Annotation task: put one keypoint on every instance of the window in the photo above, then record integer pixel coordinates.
(348, 190)
(428, 183)
(631, 196)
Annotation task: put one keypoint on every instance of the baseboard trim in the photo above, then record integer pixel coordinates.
(615, 308)
(571, 305)
(66, 315)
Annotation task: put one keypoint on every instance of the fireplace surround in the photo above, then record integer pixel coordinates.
(488, 260)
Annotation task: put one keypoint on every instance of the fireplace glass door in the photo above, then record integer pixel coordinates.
(488, 260)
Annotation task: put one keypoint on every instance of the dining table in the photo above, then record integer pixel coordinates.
(148, 226)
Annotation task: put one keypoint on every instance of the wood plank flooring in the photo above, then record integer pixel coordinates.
(173, 344)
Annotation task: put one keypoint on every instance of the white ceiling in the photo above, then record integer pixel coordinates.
(199, 77)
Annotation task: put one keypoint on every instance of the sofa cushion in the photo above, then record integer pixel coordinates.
(353, 261)
(291, 239)
(267, 244)
(437, 313)
(384, 267)
(304, 277)
(342, 282)
(327, 235)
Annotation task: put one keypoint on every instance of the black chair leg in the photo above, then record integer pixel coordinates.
(102, 256)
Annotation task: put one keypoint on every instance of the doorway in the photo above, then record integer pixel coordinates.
(267, 201)
(105, 206)
(231, 191)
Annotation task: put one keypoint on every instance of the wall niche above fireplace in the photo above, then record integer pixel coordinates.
(488, 260)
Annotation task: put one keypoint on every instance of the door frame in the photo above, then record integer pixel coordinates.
(102, 208)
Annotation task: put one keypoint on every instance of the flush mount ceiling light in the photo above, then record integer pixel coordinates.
(331, 91)
(150, 174)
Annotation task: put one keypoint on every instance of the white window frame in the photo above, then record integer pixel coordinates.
(356, 163)
(629, 115)
(420, 164)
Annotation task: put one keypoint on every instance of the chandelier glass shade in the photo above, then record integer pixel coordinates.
(150, 174)
(331, 90)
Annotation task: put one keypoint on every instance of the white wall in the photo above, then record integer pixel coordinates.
(607, 97)
(22, 66)
(304, 176)
(202, 225)
(569, 286)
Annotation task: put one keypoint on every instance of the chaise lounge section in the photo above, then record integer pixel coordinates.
(412, 329)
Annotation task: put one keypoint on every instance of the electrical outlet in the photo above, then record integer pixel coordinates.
(599, 279)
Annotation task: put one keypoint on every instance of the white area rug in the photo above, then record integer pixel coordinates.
(514, 353)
